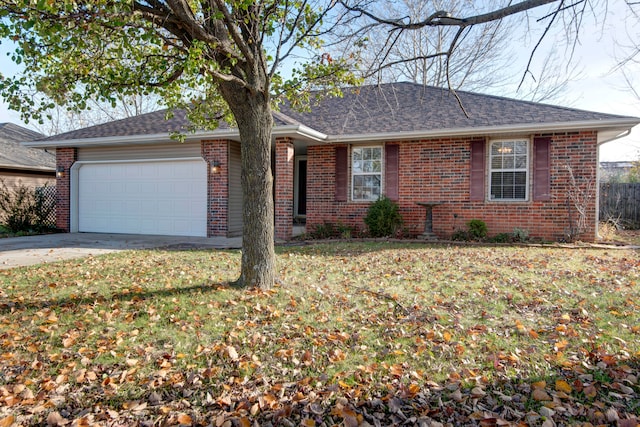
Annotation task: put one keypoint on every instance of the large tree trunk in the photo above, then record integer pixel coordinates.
(252, 112)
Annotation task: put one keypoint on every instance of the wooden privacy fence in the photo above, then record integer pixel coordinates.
(620, 203)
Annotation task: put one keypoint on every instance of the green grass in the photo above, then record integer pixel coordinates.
(349, 319)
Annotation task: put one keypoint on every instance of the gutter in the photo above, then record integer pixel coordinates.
(606, 138)
(621, 127)
(293, 131)
(615, 124)
(28, 168)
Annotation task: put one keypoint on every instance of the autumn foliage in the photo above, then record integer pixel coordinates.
(355, 334)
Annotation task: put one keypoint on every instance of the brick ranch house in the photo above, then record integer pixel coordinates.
(509, 163)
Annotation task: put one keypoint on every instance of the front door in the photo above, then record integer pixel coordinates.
(300, 193)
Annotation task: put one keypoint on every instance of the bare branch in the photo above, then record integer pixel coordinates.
(533, 52)
(443, 18)
(449, 53)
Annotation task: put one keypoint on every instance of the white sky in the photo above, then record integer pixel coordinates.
(599, 88)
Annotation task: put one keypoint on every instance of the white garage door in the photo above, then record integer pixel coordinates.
(158, 197)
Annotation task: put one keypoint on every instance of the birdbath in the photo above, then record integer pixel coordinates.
(428, 233)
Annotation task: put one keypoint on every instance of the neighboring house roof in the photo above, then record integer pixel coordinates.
(16, 156)
(617, 165)
(388, 111)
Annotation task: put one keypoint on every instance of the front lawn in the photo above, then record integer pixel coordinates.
(355, 334)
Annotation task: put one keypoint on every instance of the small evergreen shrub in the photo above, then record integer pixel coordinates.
(326, 230)
(501, 238)
(329, 230)
(383, 218)
(460, 235)
(477, 229)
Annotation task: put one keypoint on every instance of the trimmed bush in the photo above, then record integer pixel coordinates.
(477, 229)
(383, 218)
(501, 238)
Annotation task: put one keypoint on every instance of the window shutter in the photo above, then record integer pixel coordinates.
(476, 188)
(341, 174)
(391, 184)
(541, 172)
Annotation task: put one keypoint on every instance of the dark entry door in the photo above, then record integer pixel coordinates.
(301, 187)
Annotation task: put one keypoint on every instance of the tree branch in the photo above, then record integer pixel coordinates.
(234, 33)
(452, 47)
(553, 15)
(443, 18)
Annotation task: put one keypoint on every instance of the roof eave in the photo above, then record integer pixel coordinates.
(292, 131)
(620, 125)
(305, 133)
(45, 169)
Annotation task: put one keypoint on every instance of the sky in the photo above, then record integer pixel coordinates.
(599, 86)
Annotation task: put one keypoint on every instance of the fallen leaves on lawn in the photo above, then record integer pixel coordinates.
(353, 337)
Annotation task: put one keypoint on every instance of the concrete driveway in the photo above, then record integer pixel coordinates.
(29, 250)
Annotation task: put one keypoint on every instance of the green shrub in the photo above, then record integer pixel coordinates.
(345, 231)
(501, 238)
(460, 235)
(326, 230)
(477, 229)
(383, 218)
(329, 230)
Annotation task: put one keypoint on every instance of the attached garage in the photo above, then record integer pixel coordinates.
(164, 197)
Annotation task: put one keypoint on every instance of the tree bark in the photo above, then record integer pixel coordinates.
(252, 112)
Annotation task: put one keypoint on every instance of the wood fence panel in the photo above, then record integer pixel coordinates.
(620, 202)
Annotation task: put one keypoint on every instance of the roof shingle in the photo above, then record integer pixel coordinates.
(12, 153)
(386, 108)
(407, 107)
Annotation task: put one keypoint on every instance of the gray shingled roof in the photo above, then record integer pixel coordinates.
(387, 108)
(13, 154)
(409, 107)
(145, 124)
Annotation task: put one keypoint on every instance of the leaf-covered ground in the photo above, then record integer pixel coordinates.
(355, 334)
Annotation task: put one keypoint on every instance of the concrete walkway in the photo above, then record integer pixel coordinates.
(29, 250)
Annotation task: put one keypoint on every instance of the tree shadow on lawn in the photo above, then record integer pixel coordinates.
(72, 302)
(331, 248)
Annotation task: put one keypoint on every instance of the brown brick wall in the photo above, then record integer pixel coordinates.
(65, 157)
(284, 188)
(439, 170)
(217, 186)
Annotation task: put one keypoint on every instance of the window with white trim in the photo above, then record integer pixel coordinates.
(366, 173)
(509, 174)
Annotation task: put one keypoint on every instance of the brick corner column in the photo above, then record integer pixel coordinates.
(217, 186)
(65, 158)
(284, 188)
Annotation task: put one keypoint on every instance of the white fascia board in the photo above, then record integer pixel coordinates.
(127, 139)
(307, 134)
(300, 132)
(293, 131)
(28, 168)
(617, 125)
